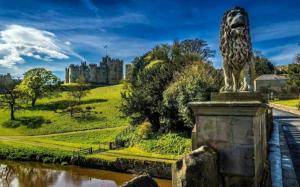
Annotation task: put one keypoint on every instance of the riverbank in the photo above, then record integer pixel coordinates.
(17, 152)
(56, 175)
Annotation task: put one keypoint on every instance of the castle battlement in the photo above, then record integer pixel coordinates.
(109, 71)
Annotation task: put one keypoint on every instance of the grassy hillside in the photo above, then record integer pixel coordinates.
(60, 134)
(104, 99)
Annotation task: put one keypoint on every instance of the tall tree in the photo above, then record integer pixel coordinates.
(9, 93)
(294, 76)
(152, 73)
(262, 64)
(38, 83)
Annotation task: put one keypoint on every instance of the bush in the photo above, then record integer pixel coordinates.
(194, 84)
(171, 143)
(298, 105)
(32, 153)
(144, 131)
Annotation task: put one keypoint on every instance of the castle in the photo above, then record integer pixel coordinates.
(109, 71)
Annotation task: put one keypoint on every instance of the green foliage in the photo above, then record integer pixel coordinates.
(195, 83)
(142, 98)
(78, 91)
(262, 65)
(9, 93)
(29, 153)
(159, 143)
(294, 77)
(38, 83)
(144, 131)
(170, 143)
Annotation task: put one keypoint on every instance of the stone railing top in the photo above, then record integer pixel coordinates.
(228, 108)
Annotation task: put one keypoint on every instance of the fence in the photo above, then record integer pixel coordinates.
(101, 148)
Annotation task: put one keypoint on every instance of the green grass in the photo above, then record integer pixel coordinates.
(289, 102)
(104, 99)
(93, 137)
(40, 130)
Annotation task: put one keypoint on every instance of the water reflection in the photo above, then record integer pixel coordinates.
(31, 174)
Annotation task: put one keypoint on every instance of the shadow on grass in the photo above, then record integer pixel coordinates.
(90, 118)
(63, 104)
(30, 122)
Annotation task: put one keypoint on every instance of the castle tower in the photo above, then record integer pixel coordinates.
(115, 71)
(93, 73)
(66, 75)
(73, 73)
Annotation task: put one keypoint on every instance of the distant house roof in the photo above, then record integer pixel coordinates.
(271, 77)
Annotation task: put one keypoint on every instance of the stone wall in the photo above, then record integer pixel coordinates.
(238, 132)
(197, 169)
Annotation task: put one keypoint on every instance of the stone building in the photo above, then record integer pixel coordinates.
(272, 82)
(109, 71)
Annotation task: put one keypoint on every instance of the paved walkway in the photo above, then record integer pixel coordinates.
(289, 134)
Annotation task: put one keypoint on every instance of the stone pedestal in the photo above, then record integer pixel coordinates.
(237, 131)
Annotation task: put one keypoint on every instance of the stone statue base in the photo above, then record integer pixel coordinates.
(236, 130)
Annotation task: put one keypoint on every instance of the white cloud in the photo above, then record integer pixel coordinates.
(68, 43)
(283, 54)
(277, 31)
(17, 42)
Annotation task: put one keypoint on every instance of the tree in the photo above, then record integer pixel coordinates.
(262, 64)
(9, 93)
(142, 97)
(195, 83)
(38, 83)
(294, 77)
(80, 90)
(76, 93)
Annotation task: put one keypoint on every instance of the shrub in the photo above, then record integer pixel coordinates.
(171, 143)
(195, 83)
(144, 131)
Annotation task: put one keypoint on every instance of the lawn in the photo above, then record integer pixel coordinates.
(104, 99)
(288, 102)
(42, 129)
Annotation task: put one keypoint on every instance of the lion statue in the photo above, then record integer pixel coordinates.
(236, 50)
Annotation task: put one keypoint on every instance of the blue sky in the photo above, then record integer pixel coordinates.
(55, 33)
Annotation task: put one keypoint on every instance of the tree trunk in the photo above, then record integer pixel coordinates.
(12, 112)
(33, 101)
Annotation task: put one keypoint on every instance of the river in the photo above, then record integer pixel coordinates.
(34, 174)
